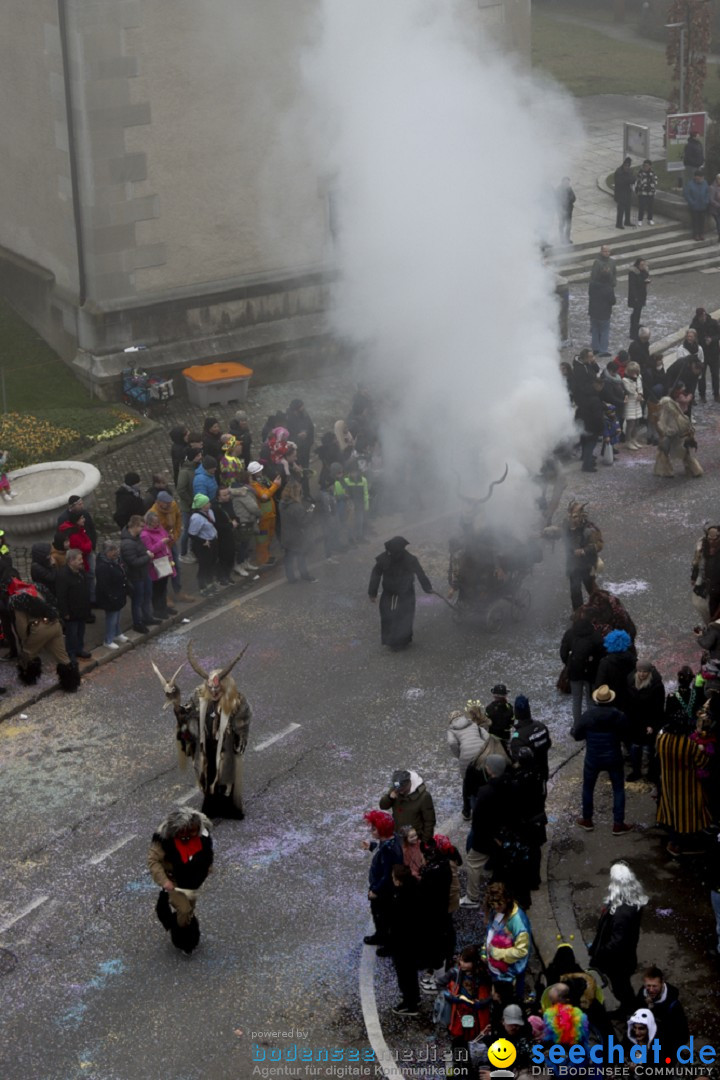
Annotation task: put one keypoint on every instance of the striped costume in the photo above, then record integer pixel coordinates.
(682, 802)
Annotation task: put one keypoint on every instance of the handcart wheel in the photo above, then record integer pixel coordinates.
(495, 617)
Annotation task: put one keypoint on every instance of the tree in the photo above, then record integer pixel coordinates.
(696, 15)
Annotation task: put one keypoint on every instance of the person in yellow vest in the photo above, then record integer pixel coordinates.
(265, 494)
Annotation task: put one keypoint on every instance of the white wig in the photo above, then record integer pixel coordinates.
(624, 888)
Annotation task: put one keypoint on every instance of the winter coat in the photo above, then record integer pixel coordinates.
(133, 553)
(184, 487)
(514, 958)
(79, 541)
(714, 204)
(613, 392)
(406, 922)
(694, 154)
(708, 332)
(644, 707)
(462, 984)
(581, 650)
(490, 813)
(387, 853)
(466, 740)
(681, 369)
(43, 570)
(633, 405)
(603, 727)
(669, 1016)
(614, 948)
(204, 483)
(202, 525)
(89, 524)
(178, 449)
(73, 594)
(246, 507)
(601, 300)
(534, 735)
(604, 262)
(613, 671)
(710, 639)
(244, 437)
(294, 522)
(501, 715)
(112, 584)
(645, 182)
(128, 501)
(157, 541)
(697, 194)
(637, 287)
(624, 183)
(415, 809)
(170, 518)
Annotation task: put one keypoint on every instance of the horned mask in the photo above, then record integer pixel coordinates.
(576, 513)
(213, 679)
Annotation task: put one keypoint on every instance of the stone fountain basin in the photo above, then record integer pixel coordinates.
(41, 492)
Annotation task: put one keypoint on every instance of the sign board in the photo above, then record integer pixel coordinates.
(677, 130)
(636, 141)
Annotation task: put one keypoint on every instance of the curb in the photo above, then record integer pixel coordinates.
(116, 654)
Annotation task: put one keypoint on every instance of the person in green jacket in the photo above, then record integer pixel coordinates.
(410, 803)
(356, 486)
(184, 495)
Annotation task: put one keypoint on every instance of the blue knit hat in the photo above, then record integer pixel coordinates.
(617, 641)
(521, 708)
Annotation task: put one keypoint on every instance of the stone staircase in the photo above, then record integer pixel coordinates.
(668, 249)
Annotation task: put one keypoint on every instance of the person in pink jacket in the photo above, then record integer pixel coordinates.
(158, 542)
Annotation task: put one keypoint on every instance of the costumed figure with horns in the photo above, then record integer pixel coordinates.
(583, 544)
(212, 729)
(38, 629)
(677, 436)
(705, 573)
(179, 860)
(397, 569)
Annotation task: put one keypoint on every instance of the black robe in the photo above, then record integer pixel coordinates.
(397, 603)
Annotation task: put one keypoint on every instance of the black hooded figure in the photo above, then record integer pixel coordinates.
(397, 569)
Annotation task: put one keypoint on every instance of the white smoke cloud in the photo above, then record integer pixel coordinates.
(444, 157)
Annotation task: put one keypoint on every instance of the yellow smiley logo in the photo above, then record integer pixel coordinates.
(502, 1053)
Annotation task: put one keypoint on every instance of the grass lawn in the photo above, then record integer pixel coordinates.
(588, 62)
(46, 414)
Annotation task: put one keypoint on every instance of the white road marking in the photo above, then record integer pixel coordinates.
(274, 738)
(188, 797)
(25, 911)
(116, 847)
(278, 583)
(368, 1005)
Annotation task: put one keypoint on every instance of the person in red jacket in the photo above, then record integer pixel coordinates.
(78, 537)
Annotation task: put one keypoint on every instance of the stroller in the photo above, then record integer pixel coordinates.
(147, 393)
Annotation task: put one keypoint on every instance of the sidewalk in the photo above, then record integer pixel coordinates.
(327, 398)
(603, 117)
(676, 938)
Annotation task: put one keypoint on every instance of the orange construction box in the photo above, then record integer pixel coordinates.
(217, 384)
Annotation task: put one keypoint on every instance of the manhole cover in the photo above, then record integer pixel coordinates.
(8, 960)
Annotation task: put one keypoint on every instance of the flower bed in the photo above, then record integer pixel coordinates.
(32, 439)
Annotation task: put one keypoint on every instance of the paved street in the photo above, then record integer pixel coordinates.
(283, 915)
(92, 987)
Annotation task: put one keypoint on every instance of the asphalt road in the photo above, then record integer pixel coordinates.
(92, 987)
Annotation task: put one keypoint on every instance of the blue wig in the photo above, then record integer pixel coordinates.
(617, 641)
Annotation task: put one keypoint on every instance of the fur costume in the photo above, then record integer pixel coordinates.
(184, 860)
(212, 729)
(677, 439)
(38, 629)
